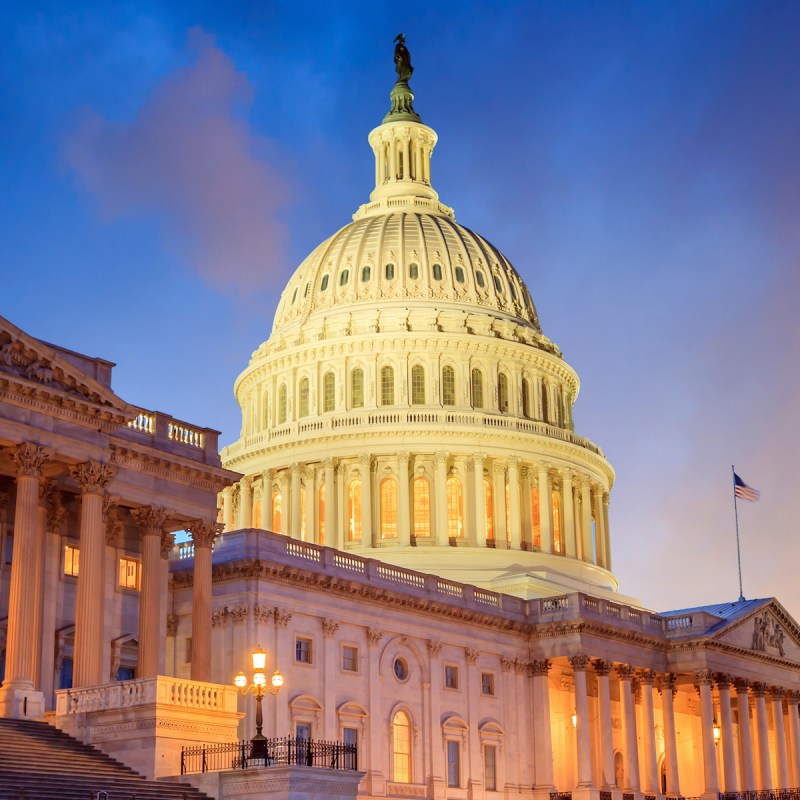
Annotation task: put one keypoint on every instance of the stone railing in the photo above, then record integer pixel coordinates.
(584, 606)
(161, 690)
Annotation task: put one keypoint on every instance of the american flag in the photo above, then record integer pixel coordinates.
(741, 489)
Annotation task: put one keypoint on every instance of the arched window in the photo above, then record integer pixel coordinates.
(526, 398)
(422, 508)
(502, 392)
(497, 284)
(545, 403)
(437, 272)
(459, 275)
(558, 544)
(536, 527)
(389, 271)
(303, 513)
(328, 392)
(448, 386)
(508, 512)
(277, 513)
(477, 388)
(387, 386)
(417, 385)
(354, 511)
(344, 277)
(321, 513)
(481, 280)
(282, 404)
(365, 274)
(489, 509)
(303, 411)
(512, 289)
(401, 748)
(455, 509)
(388, 508)
(413, 271)
(357, 388)
(324, 285)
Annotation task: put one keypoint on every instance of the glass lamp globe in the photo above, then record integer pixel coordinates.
(277, 680)
(259, 657)
(240, 680)
(260, 679)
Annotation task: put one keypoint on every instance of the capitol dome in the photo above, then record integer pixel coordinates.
(407, 403)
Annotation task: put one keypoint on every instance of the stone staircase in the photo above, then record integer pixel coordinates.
(39, 762)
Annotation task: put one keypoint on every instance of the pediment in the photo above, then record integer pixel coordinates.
(767, 630)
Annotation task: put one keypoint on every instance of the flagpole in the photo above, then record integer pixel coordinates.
(738, 549)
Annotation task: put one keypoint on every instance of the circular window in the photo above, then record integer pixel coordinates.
(400, 669)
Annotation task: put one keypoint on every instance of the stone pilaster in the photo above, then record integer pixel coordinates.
(403, 500)
(543, 743)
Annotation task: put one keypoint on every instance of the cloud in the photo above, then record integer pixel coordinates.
(190, 159)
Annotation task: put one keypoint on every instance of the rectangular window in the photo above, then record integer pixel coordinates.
(453, 764)
(129, 573)
(490, 768)
(302, 650)
(350, 736)
(65, 674)
(350, 658)
(71, 560)
(487, 683)
(451, 677)
(188, 650)
(302, 730)
(357, 388)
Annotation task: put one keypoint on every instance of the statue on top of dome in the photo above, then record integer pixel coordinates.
(402, 59)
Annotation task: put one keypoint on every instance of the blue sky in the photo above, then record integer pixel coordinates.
(166, 166)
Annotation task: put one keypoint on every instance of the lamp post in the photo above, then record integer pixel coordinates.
(258, 686)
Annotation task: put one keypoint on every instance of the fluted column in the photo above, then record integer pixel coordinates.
(764, 767)
(245, 519)
(781, 761)
(631, 753)
(203, 534)
(606, 534)
(584, 754)
(442, 535)
(151, 524)
(330, 505)
(37, 587)
(569, 516)
(310, 532)
(227, 507)
(608, 778)
(265, 521)
(745, 736)
(586, 519)
(704, 680)
(93, 479)
(515, 536)
(545, 509)
(792, 700)
(646, 678)
(667, 688)
(480, 501)
(294, 514)
(403, 500)
(597, 497)
(499, 481)
(19, 676)
(543, 742)
(729, 777)
(368, 536)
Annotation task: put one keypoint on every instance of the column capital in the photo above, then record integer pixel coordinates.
(668, 683)
(704, 677)
(646, 676)
(441, 457)
(579, 662)
(759, 689)
(479, 458)
(601, 666)
(624, 672)
(149, 519)
(566, 474)
(30, 459)
(374, 635)
(792, 697)
(294, 466)
(92, 476)
(404, 455)
(513, 461)
(722, 680)
(585, 481)
(329, 462)
(506, 664)
(471, 655)
(167, 543)
(203, 532)
(540, 666)
(777, 693)
(329, 627)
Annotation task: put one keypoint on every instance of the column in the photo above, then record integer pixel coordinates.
(745, 736)
(606, 535)
(569, 516)
(472, 746)
(38, 581)
(265, 522)
(93, 479)
(543, 741)
(330, 505)
(480, 501)
(764, 769)
(667, 688)
(646, 677)
(377, 730)
(781, 761)
(294, 514)
(608, 778)
(203, 534)
(584, 755)
(631, 754)
(340, 535)
(17, 696)
(597, 497)
(368, 537)
(704, 679)
(151, 525)
(441, 535)
(245, 519)
(330, 672)
(499, 481)
(227, 507)
(526, 528)
(792, 701)
(545, 509)
(730, 781)
(515, 535)
(284, 654)
(311, 502)
(586, 519)
(403, 500)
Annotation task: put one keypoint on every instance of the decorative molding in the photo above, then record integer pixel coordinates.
(92, 476)
(540, 667)
(149, 519)
(579, 662)
(471, 655)
(329, 628)
(219, 616)
(238, 613)
(434, 648)
(601, 666)
(203, 532)
(263, 613)
(282, 618)
(30, 459)
(172, 625)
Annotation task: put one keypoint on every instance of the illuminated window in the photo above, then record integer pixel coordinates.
(536, 529)
(387, 386)
(129, 573)
(448, 386)
(321, 506)
(477, 388)
(388, 508)
(490, 767)
(303, 397)
(71, 560)
(328, 392)
(508, 511)
(282, 404)
(303, 513)
(349, 658)
(354, 511)
(526, 400)
(257, 512)
(277, 513)
(365, 274)
(302, 650)
(401, 748)
(453, 763)
(357, 388)
(417, 385)
(455, 509)
(389, 271)
(422, 508)
(502, 392)
(344, 277)
(558, 545)
(413, 271)
(489, 509)
(437, 272)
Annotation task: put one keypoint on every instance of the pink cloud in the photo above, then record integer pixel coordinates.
(190, 157)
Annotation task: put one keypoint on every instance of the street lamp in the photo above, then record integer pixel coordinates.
(716, 730)
(258, 686)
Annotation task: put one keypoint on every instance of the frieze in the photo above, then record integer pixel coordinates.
(219, 616)
(767, 632)
(329, 628)
(238, 613)
(263, 613)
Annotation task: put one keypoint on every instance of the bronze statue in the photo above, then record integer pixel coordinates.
(402, 59)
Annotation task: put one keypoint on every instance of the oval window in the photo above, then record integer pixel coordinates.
(437, 272)
(365, 273)
(324, 284)
(497, 284)
(459, 275)
(512, 290)
(413, 271)
(389, 272)
(400, 669)
(479, 277)
(344, 277)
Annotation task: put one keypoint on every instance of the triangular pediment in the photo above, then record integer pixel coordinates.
(767, 629)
